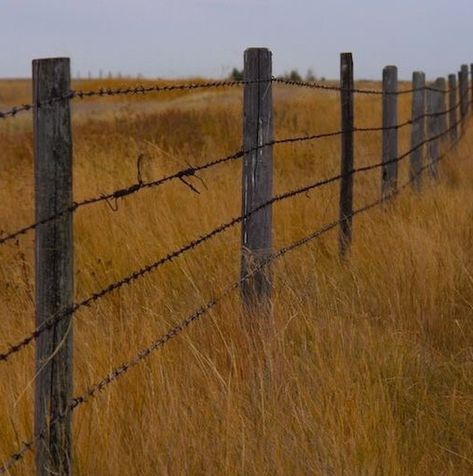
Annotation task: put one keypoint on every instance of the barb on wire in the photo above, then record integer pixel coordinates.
(53, 320)
(180, 175)
(177, 329)
(121, 193)
(15, 110)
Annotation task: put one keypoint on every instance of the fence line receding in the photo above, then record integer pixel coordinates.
(439, 114)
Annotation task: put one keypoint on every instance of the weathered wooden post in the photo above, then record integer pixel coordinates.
(257, 186)
(54, 264)
(452, 106)
(433, 108)
(460, 100)
(442, 98)
(346, 183)
(466, 93)
(418, 129)
(471, 85)
(390, 132)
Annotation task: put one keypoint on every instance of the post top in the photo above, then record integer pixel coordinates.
(255, 49)
(51, 60)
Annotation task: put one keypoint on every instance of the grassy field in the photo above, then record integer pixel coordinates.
(372, 359)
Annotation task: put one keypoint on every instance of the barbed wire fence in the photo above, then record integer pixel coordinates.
(434, 126)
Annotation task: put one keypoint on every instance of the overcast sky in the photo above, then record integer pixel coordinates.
(181, 38)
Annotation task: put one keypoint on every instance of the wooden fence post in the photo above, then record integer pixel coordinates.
(390, 134)
(471, 86)
(466, 95)
(433, 108)
(346, 183)
(54, 264)
(452, 106)
(442, 98)
(418, 129)
(464, 91)
(460, 100)
(257, 183)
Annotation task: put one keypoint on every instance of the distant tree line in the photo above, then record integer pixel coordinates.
(293, 75)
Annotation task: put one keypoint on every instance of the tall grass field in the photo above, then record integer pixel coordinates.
(369, 368)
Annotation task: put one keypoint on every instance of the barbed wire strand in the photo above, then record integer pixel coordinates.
(187, 172)
(131, 278)
(192, 171)
(138, 186)
(226, 83)
(379, 92)
(117, 372)
(48, 324)
(15, 110)
(136, 90)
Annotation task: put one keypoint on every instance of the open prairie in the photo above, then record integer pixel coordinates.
(371, 359)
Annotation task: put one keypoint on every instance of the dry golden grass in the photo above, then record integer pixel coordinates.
(372, 360)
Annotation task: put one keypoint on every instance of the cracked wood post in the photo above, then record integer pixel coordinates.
(257, 180)
(390, 134)
(418, 129)
(433, 107)
(347, 159)
(452, 106)
(54, 264)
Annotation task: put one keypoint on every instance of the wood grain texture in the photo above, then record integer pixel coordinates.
(257, 181)
(54, 263)
(347, 155)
